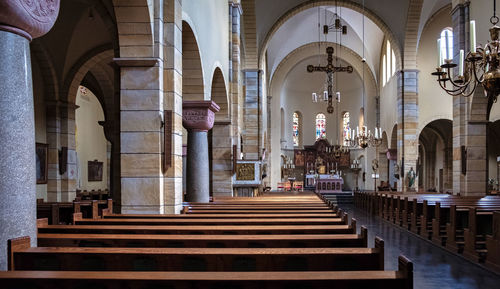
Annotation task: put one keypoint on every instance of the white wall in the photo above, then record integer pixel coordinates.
(90, 140)
(433, 102)
(209, 20)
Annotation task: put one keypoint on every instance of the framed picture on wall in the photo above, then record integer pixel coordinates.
(95, 171)
(41, 154)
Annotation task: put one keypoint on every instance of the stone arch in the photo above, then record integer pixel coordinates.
(394, 137)
(435, 163)
(80, 69)
(134, 20)
(411, 34)
(341, 3)
(192, 73)
(220, 141)
(220, 96)
(51, 84)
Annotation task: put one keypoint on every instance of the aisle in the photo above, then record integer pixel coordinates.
(433, 267)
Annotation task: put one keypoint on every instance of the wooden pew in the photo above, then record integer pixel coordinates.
(219, 216)
(24, 257)
(61, 212)
(401, 279)
(214, 211)
(493, 244)
(213, 221)
(205, 241)
(43, 227)
(479, 225)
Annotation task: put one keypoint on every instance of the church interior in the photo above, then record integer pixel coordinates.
(249, 144)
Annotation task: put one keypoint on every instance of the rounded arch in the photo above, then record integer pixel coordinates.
(192, 73)
(219, 95)
(81, 68)
(135, 18)
(44, 60)
(341, 3)
(394, 137)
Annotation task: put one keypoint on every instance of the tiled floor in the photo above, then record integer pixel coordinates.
(433, 267)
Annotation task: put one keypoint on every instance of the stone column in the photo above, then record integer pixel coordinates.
(21, 21)
(198, 118)
(251, 115)
(459, 17)
(407, 136)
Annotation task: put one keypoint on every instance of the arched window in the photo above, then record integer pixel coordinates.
(388, 59)
(388, 64)
(296, 129)
(384, 71)
(320, 126)
(345, 126)
(446, 41)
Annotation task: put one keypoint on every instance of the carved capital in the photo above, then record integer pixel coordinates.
(28, 18)
(199, 115)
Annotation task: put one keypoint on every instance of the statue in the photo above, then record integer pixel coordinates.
(411, 177)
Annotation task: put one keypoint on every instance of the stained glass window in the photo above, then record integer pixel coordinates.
(320, 126)
(345, 125)
(295, 129)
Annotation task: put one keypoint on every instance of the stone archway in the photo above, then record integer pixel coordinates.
(434, 164)
(220, 140)
(192, 73)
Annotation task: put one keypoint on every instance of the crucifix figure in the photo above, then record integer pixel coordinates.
(330, 69)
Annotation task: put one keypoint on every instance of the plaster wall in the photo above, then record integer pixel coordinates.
(90, 140)
(388, 106)
(209, 21)
(433, 102)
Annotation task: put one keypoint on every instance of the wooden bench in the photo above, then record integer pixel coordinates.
(212, 221)
(219, 216)
(204, 241)
(401, 279)
(43, 227)
(24, 257)
(61, 212)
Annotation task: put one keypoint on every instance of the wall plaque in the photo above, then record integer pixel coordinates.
(245, 172)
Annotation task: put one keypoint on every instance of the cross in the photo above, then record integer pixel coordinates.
(330, 69)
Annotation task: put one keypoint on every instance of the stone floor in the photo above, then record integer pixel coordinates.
(433, 267)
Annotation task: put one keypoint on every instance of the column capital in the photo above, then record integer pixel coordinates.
(199, 115)
(27, 18)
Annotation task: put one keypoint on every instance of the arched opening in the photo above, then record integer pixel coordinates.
(92, 170)
(220, 144)
(192, 73)
(392, 155)
(435, 161)
(383, 164)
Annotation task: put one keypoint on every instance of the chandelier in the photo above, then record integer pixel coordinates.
(481, 65)
(362, 137)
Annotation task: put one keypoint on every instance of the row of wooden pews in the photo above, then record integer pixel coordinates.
(265, 242)
(62, 212)
(469, 226)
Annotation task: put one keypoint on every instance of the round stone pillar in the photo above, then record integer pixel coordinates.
(198, 118)
(20, 22)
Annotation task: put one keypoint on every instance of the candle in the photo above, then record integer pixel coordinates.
(439, 52)
(376, 133)
(380, 132)
(357, 130)
(461, 63)
(338, 96)
(325, 95)
(314, 97)
(472, 36)
(446, 45)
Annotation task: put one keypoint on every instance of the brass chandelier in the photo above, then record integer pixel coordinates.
(481, 65)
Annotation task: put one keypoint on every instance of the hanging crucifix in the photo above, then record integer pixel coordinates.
(330, 69)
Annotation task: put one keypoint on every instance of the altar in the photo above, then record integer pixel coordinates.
(329, 184)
